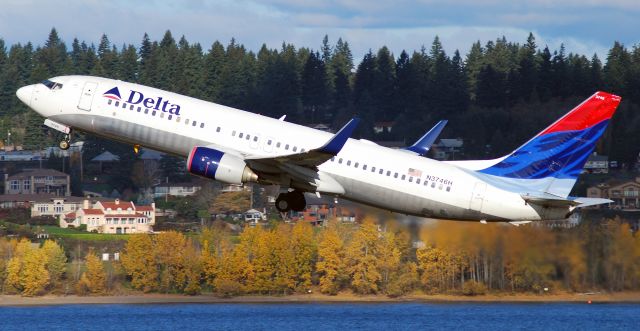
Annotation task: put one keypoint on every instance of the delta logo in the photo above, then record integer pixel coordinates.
(136, 98)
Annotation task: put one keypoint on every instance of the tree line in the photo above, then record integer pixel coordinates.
(367, 258)
(496, 95)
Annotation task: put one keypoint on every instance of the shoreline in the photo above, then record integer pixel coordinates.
(52, 300)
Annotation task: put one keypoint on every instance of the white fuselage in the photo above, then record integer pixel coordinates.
(391, 179)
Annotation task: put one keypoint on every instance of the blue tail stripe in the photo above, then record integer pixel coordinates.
(557, 154)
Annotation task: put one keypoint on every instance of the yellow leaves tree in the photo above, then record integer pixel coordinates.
(231, 202)
(94, 279)
(169, 256)
(331, 260)
(26, 272)
(139, 262)
(55, 261)
(304, 253)
(274, 262)
(362, 256)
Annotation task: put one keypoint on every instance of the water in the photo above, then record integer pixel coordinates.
(324, 316)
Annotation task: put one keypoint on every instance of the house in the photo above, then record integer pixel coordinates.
(117, 217)
(38, 181)
(596, 164)
(380, 127)
(447, 149)
(253, 216)
(625, 195)
(176, 189)
(17, 156)
(43, 205)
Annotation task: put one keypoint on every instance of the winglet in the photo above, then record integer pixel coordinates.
(336, 143)
(423, 144)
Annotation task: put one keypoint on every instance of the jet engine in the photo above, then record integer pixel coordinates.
(214, 164)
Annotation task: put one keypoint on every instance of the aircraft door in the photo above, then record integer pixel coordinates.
(86, 98)
(477, 197)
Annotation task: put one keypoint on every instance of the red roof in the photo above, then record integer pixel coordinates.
(92, 211)
(70, 215)
(122, 205)
(144, 208)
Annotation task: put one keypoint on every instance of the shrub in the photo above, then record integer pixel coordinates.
(473, 288)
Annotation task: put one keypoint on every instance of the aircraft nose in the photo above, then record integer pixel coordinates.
(24, 94)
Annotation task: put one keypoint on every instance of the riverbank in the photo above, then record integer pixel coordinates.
(14, 300)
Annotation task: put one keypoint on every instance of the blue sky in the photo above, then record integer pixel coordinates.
(584, 26)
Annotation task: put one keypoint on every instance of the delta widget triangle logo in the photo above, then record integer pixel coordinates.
(113, 93)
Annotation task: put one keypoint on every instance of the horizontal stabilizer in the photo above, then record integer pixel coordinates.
(550, 200)
(423, 145)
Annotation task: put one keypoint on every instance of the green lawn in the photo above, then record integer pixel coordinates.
(81, 235)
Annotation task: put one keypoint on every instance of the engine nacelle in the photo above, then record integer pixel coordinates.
(214, 164)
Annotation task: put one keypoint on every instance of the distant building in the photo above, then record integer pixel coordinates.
(448, 149)
(321, 127)
(625, 195)
(38, 181)
(176, 189)
(380, 127)
(43, 205)
(17, 156)
(112, 217)
(597, 164)
(254, 216)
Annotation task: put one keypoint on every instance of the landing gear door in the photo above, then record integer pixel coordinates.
(477, 197)
(86, 98)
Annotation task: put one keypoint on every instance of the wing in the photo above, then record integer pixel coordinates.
(300, 170)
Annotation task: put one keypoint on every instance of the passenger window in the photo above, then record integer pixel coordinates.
(302, 150)
(448, 188)
(333, 159)
(194, 123)
(109, 101)
(255, 139)
(124, 105)
(240, 135)
(161, 115)
(381, 171)
(132, 106)
(440, 187)
(278, 145)
(356, 165)
(153, 113)
(233, 134)
(177, 119)
(433, 184)
(340, 161)
(418, 181)
(388, 173)
(410, 179)
(186, 122)
(395, 175)
(117, 104)
(169, 117)
(202, 125)
(426, 183)
(286, 146)
(248, 137)
(218, 129)
(364, 167)
(349, 162)
(403, 177)
(295, 148)
(139, 109)
(269, 142)
(146, 111)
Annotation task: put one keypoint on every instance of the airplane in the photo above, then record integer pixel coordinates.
(233, 146)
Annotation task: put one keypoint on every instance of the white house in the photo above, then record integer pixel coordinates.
(112, 217)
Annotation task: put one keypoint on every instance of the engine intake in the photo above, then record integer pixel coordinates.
(214, 164)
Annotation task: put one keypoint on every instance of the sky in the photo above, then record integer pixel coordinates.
(583, 26)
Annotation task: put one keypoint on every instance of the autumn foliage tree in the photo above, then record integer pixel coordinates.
(94, 280)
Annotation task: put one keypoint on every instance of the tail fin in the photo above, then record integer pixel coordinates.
(554, 158)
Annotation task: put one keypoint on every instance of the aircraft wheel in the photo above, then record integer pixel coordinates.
(64, 145)
(283, 204)
(298, 202)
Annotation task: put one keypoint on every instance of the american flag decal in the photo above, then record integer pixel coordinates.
(415, 172)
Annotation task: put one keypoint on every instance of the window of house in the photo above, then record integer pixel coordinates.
(15, 185)
(26, 185)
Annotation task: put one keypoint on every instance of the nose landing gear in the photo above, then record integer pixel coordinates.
(65, 143)
(291, 201)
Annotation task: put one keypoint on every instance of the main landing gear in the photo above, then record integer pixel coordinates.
(293, 200)
(65, 142)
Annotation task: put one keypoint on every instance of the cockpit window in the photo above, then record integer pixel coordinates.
(52, 85)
